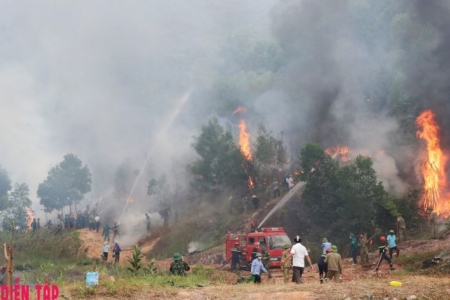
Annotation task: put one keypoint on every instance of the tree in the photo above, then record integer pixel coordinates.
(221, 162)
(5, 187)
(159, 189)
(270, 152)
(17, 205)
(66, 184)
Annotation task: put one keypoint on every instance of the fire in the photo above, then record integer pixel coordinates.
(30, 217)
(339, 152)
(239, 110)
(250, 182)
(244, 140)
(433, 167)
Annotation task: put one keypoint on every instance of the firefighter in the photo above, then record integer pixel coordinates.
(354, 248)
(106, 233)
(34, 226)
(235, 257)
(255, 250)
(255, 201)
(382, 249)
(363, 249)
(148, 221)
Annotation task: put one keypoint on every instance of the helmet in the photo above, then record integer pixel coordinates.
(177, 256)
(324, 240)
(258, 255)
(297, 239)
(328, 250)
(382, 239)
(391, 231)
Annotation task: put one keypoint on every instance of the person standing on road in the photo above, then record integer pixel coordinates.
(298, 254)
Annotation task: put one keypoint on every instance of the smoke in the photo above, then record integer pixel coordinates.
(100, 80)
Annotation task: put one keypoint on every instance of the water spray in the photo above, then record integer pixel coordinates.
(283, 201)
(161, 134)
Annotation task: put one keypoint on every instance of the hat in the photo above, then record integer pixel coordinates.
(391, 231)
(334, 248)
(258, 255)
(286, 246)
(177, 256)
(324, 240)
(329, 250)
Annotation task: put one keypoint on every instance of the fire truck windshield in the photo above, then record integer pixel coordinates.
(278, 241)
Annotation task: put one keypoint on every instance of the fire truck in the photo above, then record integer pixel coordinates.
(271, 239)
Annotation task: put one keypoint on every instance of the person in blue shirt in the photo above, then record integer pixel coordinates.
(392, 244)
(325, 245)
(257, 267)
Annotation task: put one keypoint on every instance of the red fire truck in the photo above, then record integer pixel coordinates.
(270, 239)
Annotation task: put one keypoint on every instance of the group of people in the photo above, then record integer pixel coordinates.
(116, 251)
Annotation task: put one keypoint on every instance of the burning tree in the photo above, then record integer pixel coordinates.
(65, 184)
(433, 166)
(221, 162)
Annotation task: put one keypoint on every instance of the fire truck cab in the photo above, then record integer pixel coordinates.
(271, 239)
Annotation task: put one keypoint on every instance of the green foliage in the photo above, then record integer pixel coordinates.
(5, 182)
(221, 163)
(270, 153)
(158, 188)
(343, 199)
(152, 268)
(16, 207)
(65, 184)
(135, 260)
(202, 271)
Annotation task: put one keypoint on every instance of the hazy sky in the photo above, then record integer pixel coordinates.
(99, 78)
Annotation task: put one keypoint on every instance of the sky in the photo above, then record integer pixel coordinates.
(101, 80)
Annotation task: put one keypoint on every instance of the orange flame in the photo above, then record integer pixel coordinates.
(30, 217)
(244, 140)
(250, 183)
(239, 110)
(339, 152)
(433, 167)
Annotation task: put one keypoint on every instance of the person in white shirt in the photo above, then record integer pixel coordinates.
(290, 182)
(298, 254)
